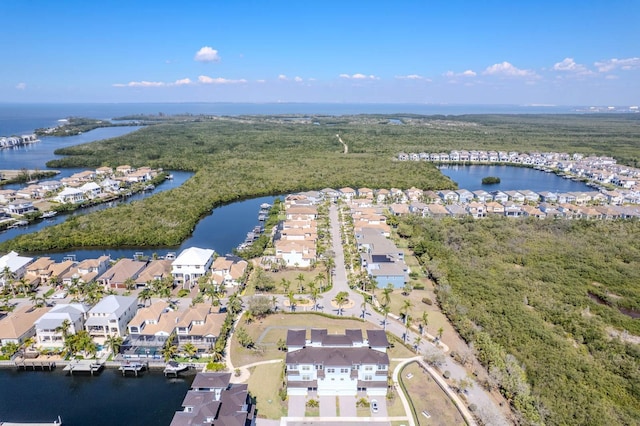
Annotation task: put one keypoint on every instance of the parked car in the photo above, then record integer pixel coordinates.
(374, 406)
(59, 295)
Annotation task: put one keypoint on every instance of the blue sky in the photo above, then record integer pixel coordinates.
(559, 52)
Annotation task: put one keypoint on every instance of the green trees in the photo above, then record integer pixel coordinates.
(114, 343)
(524, 297)
(341, 299)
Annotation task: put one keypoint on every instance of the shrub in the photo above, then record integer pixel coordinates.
(427, 301)
(446, 374)
(473, 407)
(183, 292)
(215, 366)
(313, 403)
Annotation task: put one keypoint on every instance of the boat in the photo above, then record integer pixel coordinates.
(262, 217)
(265, 206)
(150, 187)
(173, 367)
(48, 214)
(21, 223)
(57, 422)
(169, 177)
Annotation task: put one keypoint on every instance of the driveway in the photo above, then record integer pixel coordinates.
(297, 405)
(327, 406)
(348, 406)
(382, 406)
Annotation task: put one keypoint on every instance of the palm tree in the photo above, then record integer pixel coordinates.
(190, 350)
(341, 299)
(24, 285)
(363, 306)
(385, 310)
(424, 321)
(315, 294)
(407, 324)
(319, 279)
(274, 303)
(145, 295)
(285, 285)
(330, 263)
(300, 279)
(64, 329)
(292, 300)
(212, 294)
(114, 343)
(416, 343)
(406, 305)
(130, 283)
(8, 276)
(386, 295)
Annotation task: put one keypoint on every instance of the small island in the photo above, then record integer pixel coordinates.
(490, 180)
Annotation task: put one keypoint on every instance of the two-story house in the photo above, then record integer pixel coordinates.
(110, 317)
(337, 364)
(191, 264)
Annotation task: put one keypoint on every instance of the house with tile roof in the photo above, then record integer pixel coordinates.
(117, 275)
(18, 326)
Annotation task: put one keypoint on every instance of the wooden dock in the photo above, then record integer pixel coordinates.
(35, 364)
(84, 366)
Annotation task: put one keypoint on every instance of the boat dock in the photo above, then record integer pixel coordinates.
(173, 368)
(57, 422)
(34, 363)
(133, 367)
(84, 366)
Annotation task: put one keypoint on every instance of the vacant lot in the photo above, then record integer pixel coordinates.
(426, 395)
(264, 384)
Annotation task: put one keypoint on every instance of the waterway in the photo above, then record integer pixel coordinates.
(511, 179)
(106, 399)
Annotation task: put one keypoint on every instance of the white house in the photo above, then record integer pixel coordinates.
(192, 263)
(13, 266)
(48, 327)
(337, 364)
(70, 195)
(110, 316)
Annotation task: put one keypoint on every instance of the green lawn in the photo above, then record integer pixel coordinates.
(264, 384)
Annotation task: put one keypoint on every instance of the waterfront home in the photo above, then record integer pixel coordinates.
(337, 364)
(213, 400)
(365, 193)
(296, 212)
(85, 271)
(515, 196)
(38, 271)
(7, 195)
(431, 197)
(15, 264)
(499, 196)
(122, 272)
(155, 270)
(531, 196)
(21, 208)
(512, 209)
(296, 253)
(330, 194)
(191, 264)
(124, 170)
(448, 196)
(230, 268)
(110, 185)
(414, 194)
(50, 326)
(50, 185)
(464, 196)
(482, 196)
(110, 317)
(18, 326)
(70, 195)
(104, 171)
(90, 190)
(548, 197)
(200, 326)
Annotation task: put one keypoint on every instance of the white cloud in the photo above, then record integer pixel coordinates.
(283, 77)
(207, 54)
(611, 77)
(297, 79)
(612, 64)
(508, 70)
(21, 86)
(261, 81)
(141, 84)
(411, 77)
(219, 80)
(467, 73)
(569, 65)
(359, 76)
(182, 82)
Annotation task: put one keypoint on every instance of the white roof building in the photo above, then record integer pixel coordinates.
(110, 316)
(47, 325)
(15, 264)
(192, 263)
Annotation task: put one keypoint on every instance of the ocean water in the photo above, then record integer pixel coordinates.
(16, 118)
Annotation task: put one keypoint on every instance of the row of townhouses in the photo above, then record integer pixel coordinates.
(13, 141)
(192, 263)
(600, 169)
(297, 235)
(88, 185)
